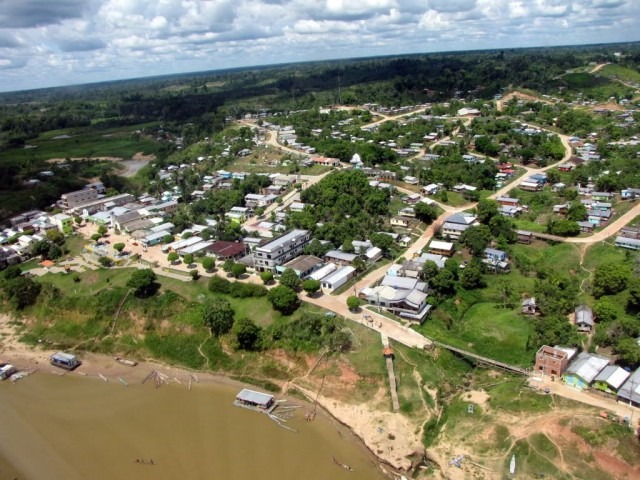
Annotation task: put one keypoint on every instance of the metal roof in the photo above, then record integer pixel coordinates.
(587, 366)
(438, 245)
(631, 388)
(613, 375)
(252, 396)
(584, 314)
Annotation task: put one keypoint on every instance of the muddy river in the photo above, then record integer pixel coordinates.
(72, 428)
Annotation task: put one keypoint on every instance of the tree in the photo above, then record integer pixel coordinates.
(143, 282)
(208, 263)
(476, 239)
(266, 277)
(13, 271)
(78, 220)
(105, 262)
(289, 278)
(633, 303)
(168, 239)
(472, 275)
(353, 303)
(118, 247)
(628, 351)
(228, 264)
(429, 270)
(95, 237)
(172, 257)
(347, 246)
(610, 278)
(382, 241)
(188, 258)
(425, 213)
(238, 269)
(359, 264)
(311, 286)
(443, 282)
(247, 334)
(605, 310)
(505, 288)
(577, 212)
(55, 236)
(283, 299)
(502, 227)
(316, 248)
(102, 230)
(217, 314)
(487, 209)
(23, 291)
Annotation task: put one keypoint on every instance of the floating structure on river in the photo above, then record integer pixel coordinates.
(265, 403)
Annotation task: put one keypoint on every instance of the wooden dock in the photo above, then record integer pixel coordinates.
(393, 387)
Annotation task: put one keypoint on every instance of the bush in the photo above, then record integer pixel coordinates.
(236, 289)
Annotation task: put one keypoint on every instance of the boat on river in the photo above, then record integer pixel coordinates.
(343, 465)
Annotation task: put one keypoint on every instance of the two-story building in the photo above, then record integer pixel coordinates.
(280, 250)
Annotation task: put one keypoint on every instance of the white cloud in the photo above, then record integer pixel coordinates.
(46, 42)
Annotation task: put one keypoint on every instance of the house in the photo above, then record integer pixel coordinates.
(561, 209)
(430, 189)
(630, 243)
(407, 212)
(630, 232)
(605, 196)
(566, 167)
(584, 318)
(410, 180)
(598, 217)
(630, 193)
(610, 379)
(303, 265)
(529, 306)
(339, 257)
(257, 200)
(468, 112)
(455, 225)
(524, 237)
(584, 370)
(324, 271)
(530, 186)
(64, 223)
(227, 250)
(508, 201)
(586, 227)
(495, 256)
(154, 238)
(441, 248)
(413, 198)
(400, 221)
(551, 361)
(630, 390)
(373, 254)
(410, 304)
(79, 197)
(464, 188)
(338, 278)
(280, 250)
(540, 178)
(509, 211)
(327, 162)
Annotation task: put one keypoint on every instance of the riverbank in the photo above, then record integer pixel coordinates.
(387, 438)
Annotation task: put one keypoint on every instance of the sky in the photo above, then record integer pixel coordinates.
(46, 43)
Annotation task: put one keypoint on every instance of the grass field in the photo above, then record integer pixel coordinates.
(84, 143)
(485, 329)
(595, 86)
(622, 73)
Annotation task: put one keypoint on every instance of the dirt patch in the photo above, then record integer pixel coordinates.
(614, 466)
(477, 396)
(348, 375)
(142, 156)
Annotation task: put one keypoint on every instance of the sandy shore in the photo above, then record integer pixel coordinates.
(390, 438)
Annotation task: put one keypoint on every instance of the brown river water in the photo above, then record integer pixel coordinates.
(70, 428)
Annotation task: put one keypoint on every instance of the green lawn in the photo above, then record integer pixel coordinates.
(622, 73)
(84, 143)
(487, 330)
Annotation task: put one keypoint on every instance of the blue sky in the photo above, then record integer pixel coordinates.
(59, 42)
